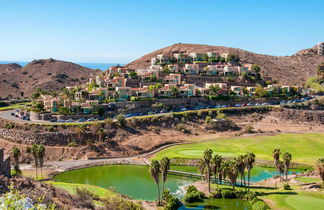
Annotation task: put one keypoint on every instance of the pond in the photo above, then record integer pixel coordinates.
(224, 204)
(136, 182)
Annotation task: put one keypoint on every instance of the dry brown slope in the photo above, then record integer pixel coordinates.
(291, 70)
(48, 74)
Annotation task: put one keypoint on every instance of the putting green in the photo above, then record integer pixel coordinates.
(301, 202)
(200, 152)
(305, 148)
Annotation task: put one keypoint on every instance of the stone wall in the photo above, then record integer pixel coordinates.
(46, 138)
(297, 115)
(5, 166)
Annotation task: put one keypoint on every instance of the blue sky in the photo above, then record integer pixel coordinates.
(123, 30)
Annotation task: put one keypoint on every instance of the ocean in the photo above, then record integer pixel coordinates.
(101, 66)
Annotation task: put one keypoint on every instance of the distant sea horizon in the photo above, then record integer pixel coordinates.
(101, 66)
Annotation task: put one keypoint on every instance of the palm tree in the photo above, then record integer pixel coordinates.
(276, 157)
(201, 166)
(101, 134)
(16, 153)
(286, 160)
(249, 161)
(281, 169)
(165, 166)
(35, 155)
(216, 164)
(232, 172)
(81, 129)
(223, 171)
(320, 168)
(208, 154)
(155, 173)
(40, 155)
(241, 164)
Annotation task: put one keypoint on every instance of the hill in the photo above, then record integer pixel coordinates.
(48, 74)
(290, 70)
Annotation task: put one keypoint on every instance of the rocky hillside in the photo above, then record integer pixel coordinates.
(291, 70)
(48, 74)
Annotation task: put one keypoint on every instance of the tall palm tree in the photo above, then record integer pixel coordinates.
(276, 157)
(223, 170)
(165, 166)
(232, 172)
(286, 160)
(35, 155)
(216, 164)
(241, 164)
(155, 173)
(208, 154)
(40, 155)
(249, 161)
(201, 166)
(320, 168)
(16, 153)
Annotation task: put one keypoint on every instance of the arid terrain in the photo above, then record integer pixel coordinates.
(47, 74)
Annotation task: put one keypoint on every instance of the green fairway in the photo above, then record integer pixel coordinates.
(305, 148)
(71, 188)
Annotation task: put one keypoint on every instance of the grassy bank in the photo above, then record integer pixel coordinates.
(305, 148)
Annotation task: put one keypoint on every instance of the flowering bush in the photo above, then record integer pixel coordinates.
(14, 200)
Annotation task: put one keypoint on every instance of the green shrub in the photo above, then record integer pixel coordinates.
(216, 194)
(287, 187)
(72, 144)
(193, 195)
(50, 129)
(121, 120)
(260, 205)
(170, 202)
(208, 119)
(250, 196)
(10, 125)
(228, 193)
(248, 129)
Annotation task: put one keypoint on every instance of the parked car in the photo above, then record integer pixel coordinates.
(100, 118)
(69, 120)
(90, 119)
(238, 105)
(183, 109)
(61, 120)
(257, 104)
(265, 104)
(53, 120)
(81, 120)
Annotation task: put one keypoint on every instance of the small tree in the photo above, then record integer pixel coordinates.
(320, 168)
(16, 154)
(155, 173)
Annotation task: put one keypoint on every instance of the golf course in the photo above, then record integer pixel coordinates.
(305, 148)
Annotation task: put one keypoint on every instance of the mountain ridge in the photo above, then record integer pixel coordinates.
(288, 70)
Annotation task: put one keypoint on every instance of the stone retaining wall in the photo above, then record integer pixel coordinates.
(297, 115)
(46, 138)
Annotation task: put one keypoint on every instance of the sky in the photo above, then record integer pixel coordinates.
(119, 31)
